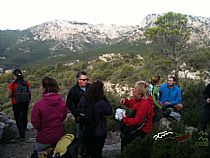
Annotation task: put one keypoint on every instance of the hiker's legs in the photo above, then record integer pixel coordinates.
(25, 115)
(97, 146)
(81, 141)
(18, 119)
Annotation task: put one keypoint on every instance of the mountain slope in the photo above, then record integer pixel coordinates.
(60, 40)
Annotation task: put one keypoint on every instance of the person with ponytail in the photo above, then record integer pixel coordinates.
(20, 101)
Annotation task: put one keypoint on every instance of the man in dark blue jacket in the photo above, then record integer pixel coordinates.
(171, 96)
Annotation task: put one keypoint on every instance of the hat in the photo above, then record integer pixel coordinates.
(17, 72)
(63, 143)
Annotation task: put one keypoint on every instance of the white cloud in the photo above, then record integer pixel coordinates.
(21, 14)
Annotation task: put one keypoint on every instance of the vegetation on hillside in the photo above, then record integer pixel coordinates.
(135, 62)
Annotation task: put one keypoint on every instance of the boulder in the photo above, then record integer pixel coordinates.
(8, 128)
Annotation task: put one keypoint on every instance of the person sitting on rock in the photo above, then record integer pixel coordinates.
(48, 115)
(171, 99)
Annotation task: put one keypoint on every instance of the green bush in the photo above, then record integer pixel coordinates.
(139, 148)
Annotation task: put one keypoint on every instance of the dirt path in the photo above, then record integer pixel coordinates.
(23, 149)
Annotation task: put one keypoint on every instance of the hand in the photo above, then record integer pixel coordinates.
(122, 101)
(167, 103)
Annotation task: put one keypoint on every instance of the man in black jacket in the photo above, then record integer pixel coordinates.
(76, 92)
(205, 113)
(73, 98)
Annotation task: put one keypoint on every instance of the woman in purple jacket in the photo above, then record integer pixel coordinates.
(97, 107)
(48, 115)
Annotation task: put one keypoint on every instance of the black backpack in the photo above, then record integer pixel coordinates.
(23, 93)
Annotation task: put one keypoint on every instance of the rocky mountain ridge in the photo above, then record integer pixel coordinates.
(77, 35)
(59, 38)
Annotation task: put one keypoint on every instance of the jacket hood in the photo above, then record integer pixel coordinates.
(52, 99)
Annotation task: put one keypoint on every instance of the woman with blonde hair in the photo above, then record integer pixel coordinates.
(140, 122)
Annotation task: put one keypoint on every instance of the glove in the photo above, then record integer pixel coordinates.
(119, 114)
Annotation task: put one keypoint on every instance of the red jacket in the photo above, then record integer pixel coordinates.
(144, 109)
(13, 86)
(47, 117)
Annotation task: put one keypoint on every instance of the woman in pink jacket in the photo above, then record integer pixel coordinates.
(140, 123)
(48, 115)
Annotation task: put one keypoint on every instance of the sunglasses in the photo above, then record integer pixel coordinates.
(86, 79)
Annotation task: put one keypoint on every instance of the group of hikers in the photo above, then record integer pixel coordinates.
(90, 108)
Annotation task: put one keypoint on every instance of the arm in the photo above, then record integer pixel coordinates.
(206, 92)
(70, 103)
(177, 100)
(128, 102)
(107, 108)
(65, 110)
(155, 97)
(9, 93)
(140, 115)
(9, 90)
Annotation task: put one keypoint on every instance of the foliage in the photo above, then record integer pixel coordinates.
(124, 70)
(170, 36)
(193, 102)
(143, 146)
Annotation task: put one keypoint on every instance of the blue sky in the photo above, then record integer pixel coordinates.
(21, 14)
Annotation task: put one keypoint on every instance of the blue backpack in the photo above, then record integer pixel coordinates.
(23, 93)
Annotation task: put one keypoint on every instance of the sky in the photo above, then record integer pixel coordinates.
(22, 14)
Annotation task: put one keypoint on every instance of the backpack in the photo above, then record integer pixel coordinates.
(61, 148)
(131, 130)
(87, 118)
(23, 93)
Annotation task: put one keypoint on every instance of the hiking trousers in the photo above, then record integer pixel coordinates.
(21, 117)
(94, 146)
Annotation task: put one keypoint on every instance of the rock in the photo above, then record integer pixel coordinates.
(8, 128)
(112, 147)
(190, 130)
(164, 122)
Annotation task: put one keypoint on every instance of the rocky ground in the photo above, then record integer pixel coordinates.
(16, 148)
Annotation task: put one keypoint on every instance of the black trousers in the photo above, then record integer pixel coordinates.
(94, 146)
(21, 117)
